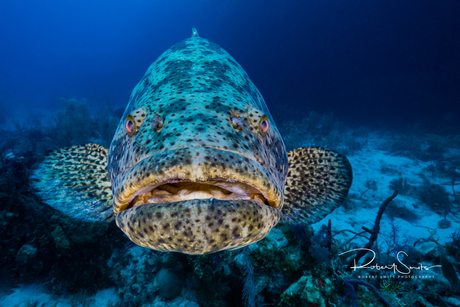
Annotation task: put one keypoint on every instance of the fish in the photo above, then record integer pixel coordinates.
(197, 164)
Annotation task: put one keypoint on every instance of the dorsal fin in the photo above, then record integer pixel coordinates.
(317, 183)
(195, 33)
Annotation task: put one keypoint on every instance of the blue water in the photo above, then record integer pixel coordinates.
(382, 61)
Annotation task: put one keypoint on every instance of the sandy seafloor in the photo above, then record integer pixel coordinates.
(367, 165)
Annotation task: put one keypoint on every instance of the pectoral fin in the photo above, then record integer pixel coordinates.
(318, 182)
(74, 181)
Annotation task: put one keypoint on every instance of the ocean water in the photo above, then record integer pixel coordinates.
(377, 82)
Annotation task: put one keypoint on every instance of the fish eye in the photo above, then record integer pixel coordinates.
(263, 126)
(134, 121)
(130, 125)
(237, 123)
(157, 123)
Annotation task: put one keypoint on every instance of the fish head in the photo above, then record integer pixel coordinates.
(197, 163)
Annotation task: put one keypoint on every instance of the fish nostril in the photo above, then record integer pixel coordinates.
(157, 122)
(237, 123)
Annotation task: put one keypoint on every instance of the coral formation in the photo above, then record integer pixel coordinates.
(169, 284)
(292, 266)
(435, 196)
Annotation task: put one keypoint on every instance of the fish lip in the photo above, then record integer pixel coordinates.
(213, 183)
(198, 226)
(164, 167)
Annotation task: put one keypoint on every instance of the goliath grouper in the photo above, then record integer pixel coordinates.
(197, 164)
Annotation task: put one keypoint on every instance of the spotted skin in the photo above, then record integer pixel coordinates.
(75, 173)
(201, 164)
(318, 180)
(197, 227)
(197, 164)
(197, 88)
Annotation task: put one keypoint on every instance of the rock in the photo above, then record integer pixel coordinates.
(25, 253)
(169, 284)
(261, 282)
(454, 301)
(81, 232)
(276, 239)
(427, 248)
(133, 272)
(9, 156)
(60, 238)
(176, 303)
(444, 224)
(308, 290)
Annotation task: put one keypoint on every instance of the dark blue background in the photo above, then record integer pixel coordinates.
(391, 63)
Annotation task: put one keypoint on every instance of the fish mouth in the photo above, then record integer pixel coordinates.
(195, 173)
(175, 190)
(196, 201)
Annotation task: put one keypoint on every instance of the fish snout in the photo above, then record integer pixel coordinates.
(199, 169)
(197, 200)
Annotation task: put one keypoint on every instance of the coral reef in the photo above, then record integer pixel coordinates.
(292, 266)
(73, 124)
(308, 289)
(42, 245)
(426, 147)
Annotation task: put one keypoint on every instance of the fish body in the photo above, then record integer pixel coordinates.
(197, 164)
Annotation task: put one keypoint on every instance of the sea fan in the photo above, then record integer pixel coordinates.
(249, 290)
